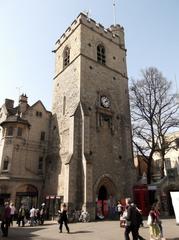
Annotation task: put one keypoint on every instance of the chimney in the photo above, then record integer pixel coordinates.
(23, 103)
(9, 103)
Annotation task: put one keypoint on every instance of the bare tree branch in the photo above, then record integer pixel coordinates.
(154, 113)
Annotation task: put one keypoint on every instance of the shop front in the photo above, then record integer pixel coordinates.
(53, 204)
(26, 195)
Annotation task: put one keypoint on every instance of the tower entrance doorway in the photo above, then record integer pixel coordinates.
(102, 203)
(102, 193)
(105, 199)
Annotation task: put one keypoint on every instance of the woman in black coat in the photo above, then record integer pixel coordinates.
(63, 218)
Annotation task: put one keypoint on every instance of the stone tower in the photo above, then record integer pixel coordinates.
(90, 160)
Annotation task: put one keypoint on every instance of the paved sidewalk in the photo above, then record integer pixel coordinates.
(105, 230)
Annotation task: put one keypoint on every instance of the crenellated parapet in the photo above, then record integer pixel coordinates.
(114, 33)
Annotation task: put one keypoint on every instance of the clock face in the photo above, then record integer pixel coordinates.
(105, 102)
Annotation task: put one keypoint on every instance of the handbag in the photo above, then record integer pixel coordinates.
(149, 220)
(59, 217)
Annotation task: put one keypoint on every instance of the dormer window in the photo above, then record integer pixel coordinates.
(66, 57)
(101, 57)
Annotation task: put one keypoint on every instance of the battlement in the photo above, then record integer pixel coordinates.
(114, 33)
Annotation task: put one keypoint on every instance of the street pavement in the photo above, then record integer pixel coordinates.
(103, 230)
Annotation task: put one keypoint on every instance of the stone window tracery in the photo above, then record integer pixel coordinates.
(101, 55)
(66, 57)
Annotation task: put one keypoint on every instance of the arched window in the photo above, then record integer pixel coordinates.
(101, 56)
(66, 57)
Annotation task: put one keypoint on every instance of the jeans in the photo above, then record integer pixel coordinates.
(66, 225)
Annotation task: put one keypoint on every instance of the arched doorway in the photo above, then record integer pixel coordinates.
(102, 207)
(102, 193)
(26, 195)
(105, 198)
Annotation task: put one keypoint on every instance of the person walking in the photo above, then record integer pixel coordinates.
(132, 221)
(42, 213)
(21, 216)
(157, 209)
(33, 216)
(155, 227)
(139, 221)
(2, 209)
(13, 210)
(6, 220)
(119, 209)
(63, 218)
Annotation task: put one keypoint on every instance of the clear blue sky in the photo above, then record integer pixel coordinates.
(30, 28)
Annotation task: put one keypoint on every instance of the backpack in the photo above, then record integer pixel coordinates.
(139, 217)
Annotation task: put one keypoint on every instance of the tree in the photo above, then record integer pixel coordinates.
(154, 113)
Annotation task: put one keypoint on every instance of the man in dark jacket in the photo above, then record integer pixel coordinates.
(132, 220)
(6, 220)
(2, 210)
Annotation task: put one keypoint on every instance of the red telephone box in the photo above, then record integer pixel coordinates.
(141, 198)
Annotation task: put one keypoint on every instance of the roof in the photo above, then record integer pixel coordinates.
(15, 119)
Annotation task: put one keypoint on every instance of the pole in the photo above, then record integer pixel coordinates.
(114, 12)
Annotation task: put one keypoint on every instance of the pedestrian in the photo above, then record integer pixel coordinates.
(139, 220)
(13, 210)
(119, 209)
(2, 209)
(42, 213)
(6, 219)
(155, 227)
(21, 216)
(33, 215)
(157, 209)
(132, 221)
(63, 218)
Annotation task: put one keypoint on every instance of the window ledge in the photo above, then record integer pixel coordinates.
(4, 171)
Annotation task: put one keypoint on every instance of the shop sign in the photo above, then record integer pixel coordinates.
(52, 197)
(152, 187)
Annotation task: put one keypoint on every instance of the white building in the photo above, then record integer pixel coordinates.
(171, 157)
